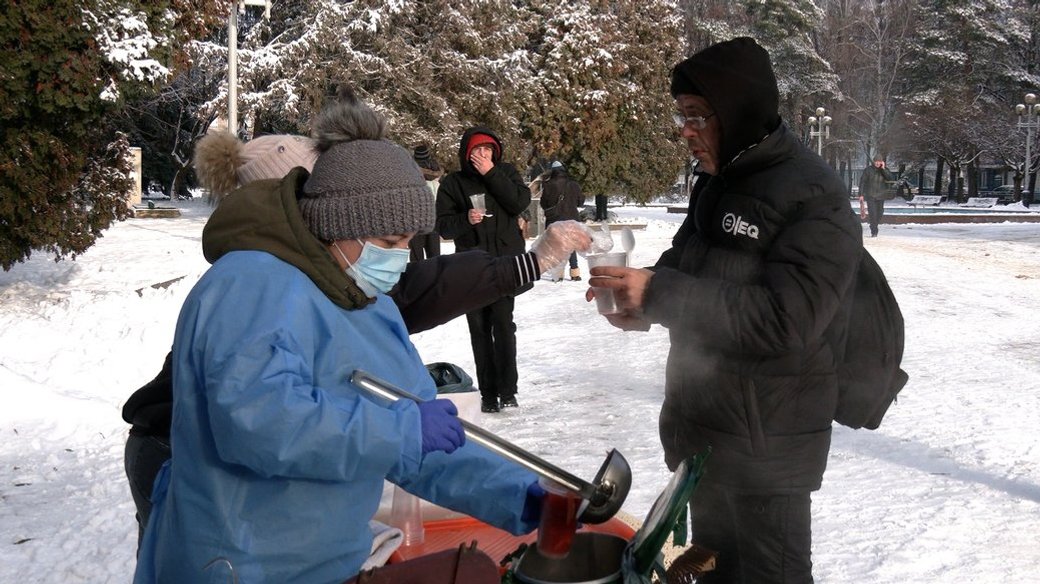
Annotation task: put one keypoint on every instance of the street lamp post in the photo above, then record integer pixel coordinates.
(232, 105)
(1028, 118)
(822, 123)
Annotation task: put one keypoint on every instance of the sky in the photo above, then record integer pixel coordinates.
(946, 490)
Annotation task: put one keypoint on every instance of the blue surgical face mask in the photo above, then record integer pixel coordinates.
(377, 269)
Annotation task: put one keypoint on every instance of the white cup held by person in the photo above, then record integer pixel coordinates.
(605, 301)
(478, 203)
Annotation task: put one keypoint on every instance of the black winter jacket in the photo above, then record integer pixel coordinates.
(753, 279)
(506, 197)
(873, 184)
(561, 197)
(430, 292)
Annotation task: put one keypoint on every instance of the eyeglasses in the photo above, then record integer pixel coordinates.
(694, 122)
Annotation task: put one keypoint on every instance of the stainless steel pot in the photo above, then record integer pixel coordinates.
(595, 558)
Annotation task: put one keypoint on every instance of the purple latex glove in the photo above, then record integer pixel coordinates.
(441, 428)
(533, 503)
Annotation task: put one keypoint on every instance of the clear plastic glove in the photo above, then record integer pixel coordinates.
(559, 240)
(441, 428)
(602, 242)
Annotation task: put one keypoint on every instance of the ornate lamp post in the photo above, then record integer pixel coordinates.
(820, 126)
(233, 57)
(1028, 118)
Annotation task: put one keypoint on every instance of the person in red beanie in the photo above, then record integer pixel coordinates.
(495, 230)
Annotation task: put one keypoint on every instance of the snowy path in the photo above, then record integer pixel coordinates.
(948, 490)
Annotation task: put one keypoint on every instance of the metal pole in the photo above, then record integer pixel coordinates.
(486, 439)
(819, 136)
(1028, 118)
(1029, 138)
(232, 95)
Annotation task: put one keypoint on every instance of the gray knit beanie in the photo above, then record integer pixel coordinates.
(362, 185)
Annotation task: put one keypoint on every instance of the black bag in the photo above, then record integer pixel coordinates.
(869, 374)
(450, 378)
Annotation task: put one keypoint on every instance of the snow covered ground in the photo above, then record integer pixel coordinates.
(947, 490)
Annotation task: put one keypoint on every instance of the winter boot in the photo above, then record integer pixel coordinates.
(556, 274)
(575, 275)
(510, 402)
(489, 405)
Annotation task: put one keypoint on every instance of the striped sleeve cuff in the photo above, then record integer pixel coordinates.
(526, 265)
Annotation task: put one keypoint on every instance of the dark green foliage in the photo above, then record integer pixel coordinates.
(64, 167)
(64, 171)
(583, 82)
(599, 96)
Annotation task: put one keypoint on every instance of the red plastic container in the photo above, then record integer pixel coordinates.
(559, 520)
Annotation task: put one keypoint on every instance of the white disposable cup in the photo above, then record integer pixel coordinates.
(477, 201)
(605, 302)
(406, 515)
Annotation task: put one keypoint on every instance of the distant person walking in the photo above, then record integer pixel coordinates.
(426, 245)
(561, 197)
(874, 191)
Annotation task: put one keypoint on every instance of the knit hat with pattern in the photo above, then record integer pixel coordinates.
(223, 162)
(362, 185)
(427, 163)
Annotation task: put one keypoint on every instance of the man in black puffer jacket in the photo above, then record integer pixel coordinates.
(491, 328)
(755, 277)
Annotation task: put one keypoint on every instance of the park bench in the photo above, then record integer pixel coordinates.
(980, 202)
(924, 200)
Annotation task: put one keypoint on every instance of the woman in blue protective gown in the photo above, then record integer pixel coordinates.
(278, 460)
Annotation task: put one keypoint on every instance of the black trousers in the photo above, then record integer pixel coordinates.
(142, 459)
(424, 246)
(601, 207)
(760, 539)
(875, 211)
(492, 333)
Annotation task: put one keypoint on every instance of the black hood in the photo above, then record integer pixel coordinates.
(464, 163)
(737, 79)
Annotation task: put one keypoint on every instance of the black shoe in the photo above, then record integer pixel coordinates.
(576, 279)
(510, 402)
(490, 406)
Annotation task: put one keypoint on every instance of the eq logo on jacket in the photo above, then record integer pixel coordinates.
(737, 226)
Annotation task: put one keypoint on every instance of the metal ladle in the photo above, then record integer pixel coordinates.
(605, 495)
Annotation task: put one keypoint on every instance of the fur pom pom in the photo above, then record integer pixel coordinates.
(346, 120)
(217, 158)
